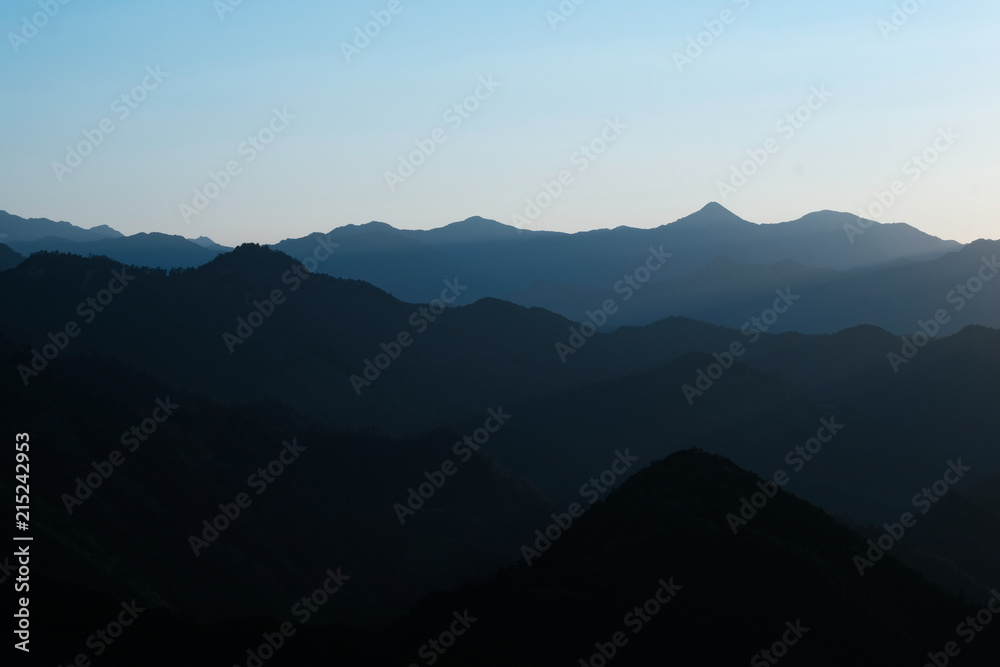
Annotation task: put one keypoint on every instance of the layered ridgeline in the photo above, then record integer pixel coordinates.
(672, 563)
(27, 236)
(861, 421)
(712, 266)
(500, 258)
(652, 572)
(213, 512)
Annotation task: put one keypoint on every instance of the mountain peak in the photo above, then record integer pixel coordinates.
(712, 214)
(475, 228)
(715, 208)
(104, 230)
(209, 244)
(373, 227)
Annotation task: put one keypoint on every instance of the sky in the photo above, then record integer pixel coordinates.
(258, 121)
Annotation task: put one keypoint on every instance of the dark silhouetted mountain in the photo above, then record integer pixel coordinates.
(733, 594)
(333, 505)
(568, 418)
(67, 616)
(665, 533)
(8, 258)
(987, 492)
(956, 546)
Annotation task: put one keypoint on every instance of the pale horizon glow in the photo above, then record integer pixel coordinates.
(557, 89)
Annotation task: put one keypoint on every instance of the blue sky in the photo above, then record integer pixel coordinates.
(556, 87)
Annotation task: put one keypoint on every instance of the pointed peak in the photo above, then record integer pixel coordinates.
(712, 214)
(475, 221)
(715, 208)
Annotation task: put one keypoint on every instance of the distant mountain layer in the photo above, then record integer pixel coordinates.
(154, 250)
(19, 229)
(498, 261)
(505, 262)
(964, 283)
(711, 266)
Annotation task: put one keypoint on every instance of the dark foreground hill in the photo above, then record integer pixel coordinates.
(733, 594)
(8, 258)
(652, 575)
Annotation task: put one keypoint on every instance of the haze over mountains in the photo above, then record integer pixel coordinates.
(495, 250)
(655, 432)
(721, 268)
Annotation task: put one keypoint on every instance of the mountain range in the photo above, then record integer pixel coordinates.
(712, 266)
(464, 456)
